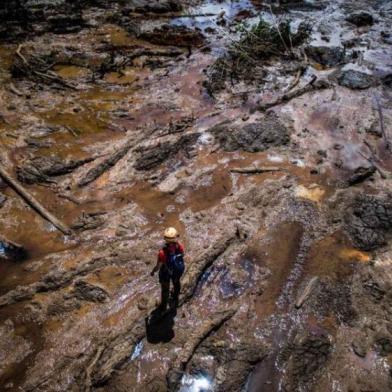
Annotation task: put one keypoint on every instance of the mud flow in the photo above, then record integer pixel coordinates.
(260, 130)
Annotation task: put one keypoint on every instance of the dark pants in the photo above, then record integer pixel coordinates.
(164, 279)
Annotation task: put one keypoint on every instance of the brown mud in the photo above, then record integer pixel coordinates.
(272, 159)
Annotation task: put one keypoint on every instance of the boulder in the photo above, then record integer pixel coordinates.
(360, 174)
(329, 56)
(360, 19)
(10, 250)
(369, 220)
(89, 292)
(159, 7)
(356, 80)
(174, 35)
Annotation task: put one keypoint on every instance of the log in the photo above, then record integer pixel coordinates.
(311, 86)
(255, 170)
(306, 293)
(15, 90)
(108, 163)
(30, 200)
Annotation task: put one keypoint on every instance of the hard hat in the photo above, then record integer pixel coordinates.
(170, 234)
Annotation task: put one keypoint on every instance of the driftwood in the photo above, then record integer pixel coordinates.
(297, 79)
(29, 199)
(15, 90)
(311, 86)
(255, 170)
(98, 170)
(306, 293)
(29, 69)
(71, 131)
(91, 366)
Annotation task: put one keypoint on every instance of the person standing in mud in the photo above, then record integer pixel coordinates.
(171, 266)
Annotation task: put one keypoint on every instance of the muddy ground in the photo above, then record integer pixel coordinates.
(261, 130)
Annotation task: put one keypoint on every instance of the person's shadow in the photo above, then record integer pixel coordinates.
(159, 326)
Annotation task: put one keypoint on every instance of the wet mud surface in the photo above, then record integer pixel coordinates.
(261, 130)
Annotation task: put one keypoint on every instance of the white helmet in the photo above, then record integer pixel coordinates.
(170, 234)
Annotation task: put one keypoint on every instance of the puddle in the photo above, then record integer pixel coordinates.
(196, 383)
(71, 71)
(207, 14)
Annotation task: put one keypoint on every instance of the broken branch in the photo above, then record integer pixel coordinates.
(29, 199)
(311, 86)
(255, 170)
(98, 170)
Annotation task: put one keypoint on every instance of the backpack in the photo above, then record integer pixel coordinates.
(175, 262)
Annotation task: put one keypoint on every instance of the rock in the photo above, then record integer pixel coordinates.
(360, 174)
(174, 35)
(360, 19)
(40, 169)
(359, 347)
(62, 23)
(89, 221)
(10, 250)
(310, 355)
(387, 80)
(88, 292)
(356, 80)
(159, 7)
(386, 37)
(374, 290)
(38, 16)
(369, 220)
(384, 346)
(329, 56)
(258, 136)
(3, 199)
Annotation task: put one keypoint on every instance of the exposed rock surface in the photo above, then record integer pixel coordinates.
(88, 292)
(356, 80)
(259, 136)
(326, 55)
(361, 18)
(370, 220)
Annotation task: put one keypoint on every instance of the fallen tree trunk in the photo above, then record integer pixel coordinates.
(29, 199)
(311, 86)
(255, 170)
(98, 170)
